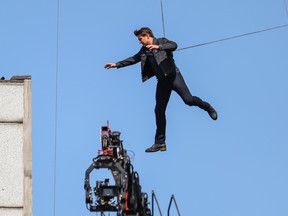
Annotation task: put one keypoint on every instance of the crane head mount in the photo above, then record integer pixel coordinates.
(124, 197)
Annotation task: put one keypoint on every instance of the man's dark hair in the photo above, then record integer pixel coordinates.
(143, 32)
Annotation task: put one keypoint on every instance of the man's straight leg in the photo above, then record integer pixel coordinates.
(163, 92)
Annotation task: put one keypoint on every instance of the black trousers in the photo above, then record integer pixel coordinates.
(163, 93)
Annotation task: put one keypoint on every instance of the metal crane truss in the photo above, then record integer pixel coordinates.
(125, 197)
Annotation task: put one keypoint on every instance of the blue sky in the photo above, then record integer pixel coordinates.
(234, 166)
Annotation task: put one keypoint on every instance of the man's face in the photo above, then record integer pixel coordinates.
(144, 40)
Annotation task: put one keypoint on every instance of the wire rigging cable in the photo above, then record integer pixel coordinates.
(286, 7)
(162, 14)
(56, 108)
(233, 37)
(228, 38)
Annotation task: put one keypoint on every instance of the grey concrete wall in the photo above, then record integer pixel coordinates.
(15, 147)
(11, 101)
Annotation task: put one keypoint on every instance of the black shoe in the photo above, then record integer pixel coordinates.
(212, 113)
(157, 147)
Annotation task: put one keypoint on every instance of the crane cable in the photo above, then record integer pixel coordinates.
(227, 38)
(286, 7)
(162, 15)
(56, 108)
(233, 37)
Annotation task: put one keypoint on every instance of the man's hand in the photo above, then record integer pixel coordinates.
(152, 47)
(109, 65)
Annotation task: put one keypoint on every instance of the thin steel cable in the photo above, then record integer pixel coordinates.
(162, 14)
(233, 37)
(286, 7)
(56, 109)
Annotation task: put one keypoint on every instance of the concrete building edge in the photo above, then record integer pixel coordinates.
(27, 148)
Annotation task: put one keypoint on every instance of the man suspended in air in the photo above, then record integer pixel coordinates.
(156, 57)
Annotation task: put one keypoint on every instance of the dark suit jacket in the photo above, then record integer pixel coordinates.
(163, 57)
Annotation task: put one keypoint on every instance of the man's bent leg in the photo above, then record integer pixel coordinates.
(181, 88)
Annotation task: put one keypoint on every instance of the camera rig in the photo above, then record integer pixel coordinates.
(124, 197)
